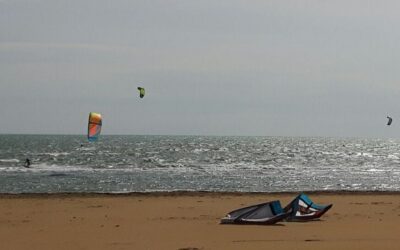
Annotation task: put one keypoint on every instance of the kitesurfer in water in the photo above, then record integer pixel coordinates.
(27, 163)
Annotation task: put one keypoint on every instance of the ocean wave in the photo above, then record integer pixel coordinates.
(10, 160)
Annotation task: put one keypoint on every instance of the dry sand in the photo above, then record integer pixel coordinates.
(189, 221)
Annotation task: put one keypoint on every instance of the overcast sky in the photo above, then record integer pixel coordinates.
(273, 68)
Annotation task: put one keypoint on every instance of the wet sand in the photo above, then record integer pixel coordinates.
(190, 221)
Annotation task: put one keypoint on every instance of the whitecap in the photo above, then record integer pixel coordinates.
(9, 160)
(55, 154)
(199, 150)
(392, 156)
(375, 170)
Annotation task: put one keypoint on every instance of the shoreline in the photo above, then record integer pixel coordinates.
(196, 193)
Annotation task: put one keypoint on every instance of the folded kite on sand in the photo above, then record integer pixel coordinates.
(303, 209)
(264, 213)
(300, 209)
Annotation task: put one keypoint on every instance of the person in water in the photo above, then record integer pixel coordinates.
(27, 163)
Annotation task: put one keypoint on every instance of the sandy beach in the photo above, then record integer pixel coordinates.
(189, 221)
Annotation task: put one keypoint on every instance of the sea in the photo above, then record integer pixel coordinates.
(123, 164)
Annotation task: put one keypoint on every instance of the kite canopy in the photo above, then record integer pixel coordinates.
(94, 126)
(389, 121)
(264, 213)
(141, 92)
(303, 209)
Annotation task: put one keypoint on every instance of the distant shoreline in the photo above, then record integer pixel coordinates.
(213, 135)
